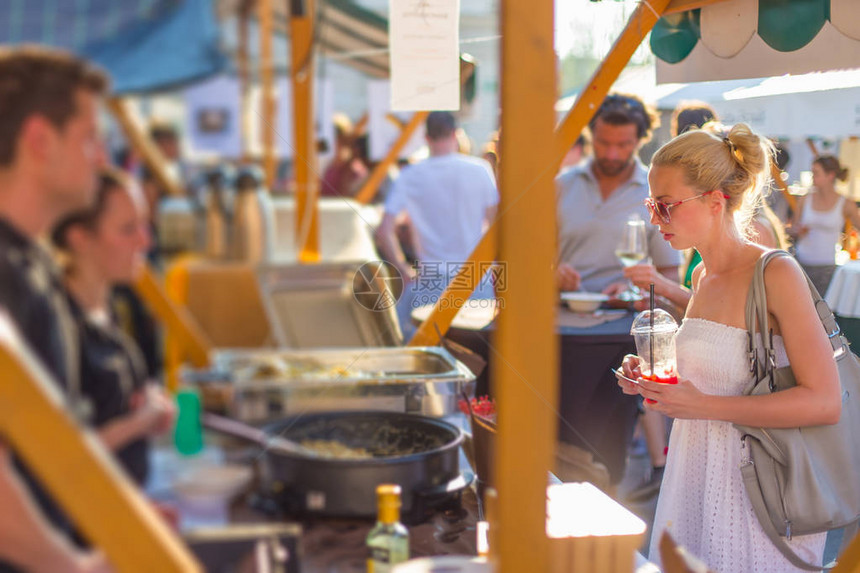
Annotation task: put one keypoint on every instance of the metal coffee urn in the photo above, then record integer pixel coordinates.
(253, 231)
(218, 215)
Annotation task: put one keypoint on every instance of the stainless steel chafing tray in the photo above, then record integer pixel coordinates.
(262, 385)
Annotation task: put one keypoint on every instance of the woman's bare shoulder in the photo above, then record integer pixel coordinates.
(783, 276)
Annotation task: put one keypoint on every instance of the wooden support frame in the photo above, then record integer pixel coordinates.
(302, 75)
(776, 175)
(179, 322)
(79, 473)
(677, 6)
(810, 143)
(370, 187)
(141, 143)
(640, 23)
(849, 560)
(526, 367)
(361, 124)
(244, 72)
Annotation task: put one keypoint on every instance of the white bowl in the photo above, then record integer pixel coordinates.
(583, 301)
(212, 483)
(445, 564)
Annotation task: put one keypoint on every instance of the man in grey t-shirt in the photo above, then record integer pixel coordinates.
(596, 198)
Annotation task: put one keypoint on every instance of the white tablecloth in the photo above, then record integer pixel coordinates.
(843, 294)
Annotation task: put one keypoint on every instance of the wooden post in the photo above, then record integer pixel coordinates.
(267, 76)
(457, 292)
(776, 175)
(640, 23)
(810, 143)
(526, 363)
(370, 187)
(176, 318)
(141, 143)
(80, 474)
(243, 68)
(590, 98)
(302, 73)
(361, 124)
(849, 561)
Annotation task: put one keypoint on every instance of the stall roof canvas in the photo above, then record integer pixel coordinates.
(757, 38)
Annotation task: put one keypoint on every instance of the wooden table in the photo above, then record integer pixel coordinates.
(843, 297)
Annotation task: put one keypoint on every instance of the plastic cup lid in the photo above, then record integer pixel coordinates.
(663, 322)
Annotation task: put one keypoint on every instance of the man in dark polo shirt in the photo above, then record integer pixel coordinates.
(50, 153)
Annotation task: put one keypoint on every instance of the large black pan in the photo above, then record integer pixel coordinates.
(419, 454)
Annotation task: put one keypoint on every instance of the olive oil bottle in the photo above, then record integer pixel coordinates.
(388, 541)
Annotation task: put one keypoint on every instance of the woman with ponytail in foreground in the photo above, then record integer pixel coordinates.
(704, 189)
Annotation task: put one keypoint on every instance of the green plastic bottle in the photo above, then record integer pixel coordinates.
(189, 433)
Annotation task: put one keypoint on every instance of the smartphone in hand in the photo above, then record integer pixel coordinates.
(618, 374)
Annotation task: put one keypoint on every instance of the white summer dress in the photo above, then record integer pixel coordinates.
(702, 501)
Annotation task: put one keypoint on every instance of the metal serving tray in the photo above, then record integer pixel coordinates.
(328, 305)
(419, 380)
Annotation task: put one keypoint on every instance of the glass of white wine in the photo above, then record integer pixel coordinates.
(632, 249)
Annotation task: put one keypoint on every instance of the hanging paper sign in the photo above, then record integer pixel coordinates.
(425, 54)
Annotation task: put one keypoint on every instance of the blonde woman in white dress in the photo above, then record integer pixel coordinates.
(698, 182)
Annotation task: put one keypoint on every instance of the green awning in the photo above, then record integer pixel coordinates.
(784, 25)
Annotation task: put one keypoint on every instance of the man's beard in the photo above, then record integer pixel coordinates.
(611, 168)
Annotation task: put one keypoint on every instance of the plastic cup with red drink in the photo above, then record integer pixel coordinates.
(654, 333)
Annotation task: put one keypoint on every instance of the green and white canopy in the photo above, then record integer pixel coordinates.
(757, 38)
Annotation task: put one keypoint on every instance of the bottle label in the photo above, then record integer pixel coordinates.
(380, 560)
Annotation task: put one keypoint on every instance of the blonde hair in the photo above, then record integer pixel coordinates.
(737, 163)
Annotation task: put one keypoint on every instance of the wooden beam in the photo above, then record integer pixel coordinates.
(640, 23)
(361, 125)
(677, 6)
(590, 98)
(371, 186)
(302, 73)
(525, 367)
(776, 175)
(267, 77)
(810, 143)
(457, 292)
(244, 72)
(143, 146)
(176, 318)
(80, 474)
(849, 561)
